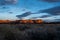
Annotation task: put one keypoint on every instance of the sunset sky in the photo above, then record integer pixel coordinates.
(47, 10)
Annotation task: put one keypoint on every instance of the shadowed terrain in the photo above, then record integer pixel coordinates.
(29, 31)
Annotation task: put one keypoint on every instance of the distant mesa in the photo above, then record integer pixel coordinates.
(4, 21)
(20, 21)
(31, 21)
(26, 22)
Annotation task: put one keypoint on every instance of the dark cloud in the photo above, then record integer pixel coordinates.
(50, 0)
(30, 13)
(10, 12)
(52, 11)
(4, 2)
(24, 14)
(44, 16)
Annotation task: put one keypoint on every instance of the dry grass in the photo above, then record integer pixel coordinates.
(29, 31)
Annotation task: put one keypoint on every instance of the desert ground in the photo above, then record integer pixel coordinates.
(29, 31)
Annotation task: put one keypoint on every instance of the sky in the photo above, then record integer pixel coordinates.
(47, 10)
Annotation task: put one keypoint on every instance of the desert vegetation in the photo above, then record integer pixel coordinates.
(29, 31)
